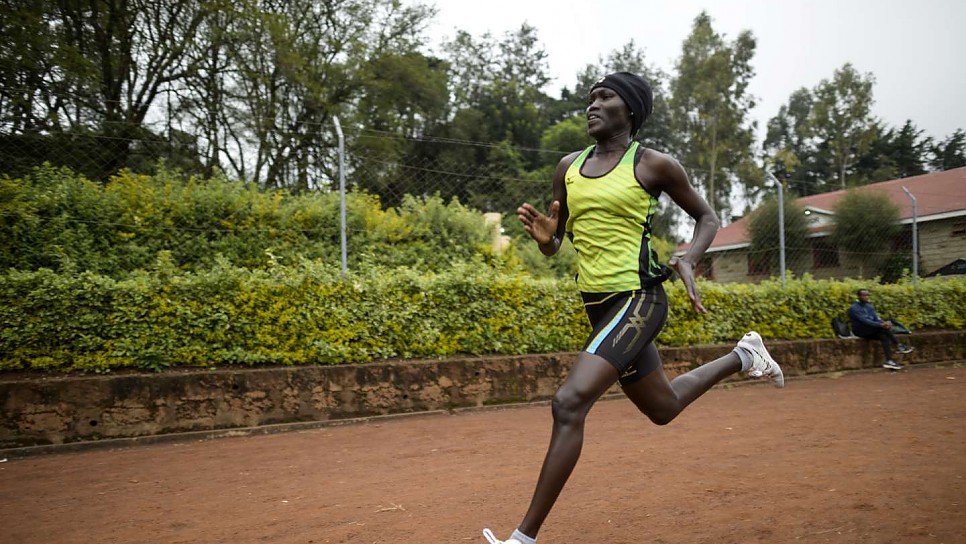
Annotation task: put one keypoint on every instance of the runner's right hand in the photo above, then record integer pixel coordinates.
(540, 227)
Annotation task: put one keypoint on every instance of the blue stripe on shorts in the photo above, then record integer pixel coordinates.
(592, 348)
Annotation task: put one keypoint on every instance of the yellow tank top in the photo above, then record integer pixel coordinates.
(609, 225)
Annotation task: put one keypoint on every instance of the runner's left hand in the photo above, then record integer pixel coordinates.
(686, 273)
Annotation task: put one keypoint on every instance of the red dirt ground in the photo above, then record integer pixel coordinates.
(872, 457)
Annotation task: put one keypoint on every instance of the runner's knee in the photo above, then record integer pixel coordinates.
(569, 406)
(662, 416)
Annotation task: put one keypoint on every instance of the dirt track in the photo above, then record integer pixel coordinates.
(863, 458)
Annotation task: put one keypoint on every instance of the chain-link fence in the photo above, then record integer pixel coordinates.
(906, 228)
(829, 235)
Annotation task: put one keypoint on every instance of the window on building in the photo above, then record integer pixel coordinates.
(824, 254)
(959, 229)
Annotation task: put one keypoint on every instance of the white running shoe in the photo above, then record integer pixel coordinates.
(761, 362)
(488, 535)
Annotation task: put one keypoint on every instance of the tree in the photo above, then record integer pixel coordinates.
(829, 134)
(28, 95)
(949, 153)
(504, 80)
(908, 150)
(295, 66)
(841, 118)
(710, 107)
(202, 107)
(891, 154)
(249, 86)
(566, 136)
(866, 222)
(404, 98)
(498, 110)
(95, 70)
(763, 228)
(789, 147)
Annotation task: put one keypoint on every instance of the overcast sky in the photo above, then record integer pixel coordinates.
(916, 49)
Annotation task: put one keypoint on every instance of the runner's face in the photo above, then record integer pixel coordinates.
(606, 112)
(864, 296)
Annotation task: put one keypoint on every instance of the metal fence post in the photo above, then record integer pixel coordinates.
(915, 238)
(342, 228)
(781, 226)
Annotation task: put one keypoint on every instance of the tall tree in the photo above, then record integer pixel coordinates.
(789, 149)
(201, 106)
(499, 106)
(949, 153)
(403, 99)
(28, 95)
(827, 136)
(841, 117)
(96, 67)
(909, 150)
(710, 107)
(503, 79)
(289, 67)
(876, 161)
(892, 154)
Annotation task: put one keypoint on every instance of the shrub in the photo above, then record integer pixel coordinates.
(308, 313)
(764, 230)
(866, 222)
(59, 220)
(805, 307)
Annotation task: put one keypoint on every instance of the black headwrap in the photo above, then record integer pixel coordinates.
(636, 93)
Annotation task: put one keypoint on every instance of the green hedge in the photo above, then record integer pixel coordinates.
(284, 315)
(308, 313)
(55, 218)
(805, 308)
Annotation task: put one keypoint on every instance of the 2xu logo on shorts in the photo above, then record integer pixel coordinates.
(636, 323)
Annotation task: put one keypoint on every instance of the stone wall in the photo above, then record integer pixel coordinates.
(50, 410)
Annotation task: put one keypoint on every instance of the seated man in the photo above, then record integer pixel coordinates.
(866, 323)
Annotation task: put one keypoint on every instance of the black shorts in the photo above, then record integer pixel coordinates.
(624, 323)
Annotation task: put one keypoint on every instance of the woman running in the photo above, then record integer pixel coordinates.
(603, 199)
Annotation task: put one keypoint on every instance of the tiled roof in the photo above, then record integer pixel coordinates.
(936, 194)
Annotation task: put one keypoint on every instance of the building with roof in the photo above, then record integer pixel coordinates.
(941, 220)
